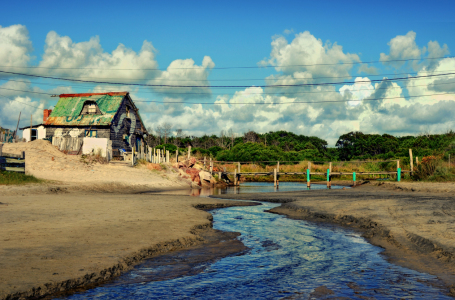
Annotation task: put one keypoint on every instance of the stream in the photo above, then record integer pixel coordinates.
(287, 259)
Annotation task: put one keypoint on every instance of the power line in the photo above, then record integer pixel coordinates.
(228, 86)
(291, 102)
(235, 67)
(264, 93)
(251, 79)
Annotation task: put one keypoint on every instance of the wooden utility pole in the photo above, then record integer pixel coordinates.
(15, 133)
(31, 125)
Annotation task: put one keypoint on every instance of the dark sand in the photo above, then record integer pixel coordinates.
(58, 241)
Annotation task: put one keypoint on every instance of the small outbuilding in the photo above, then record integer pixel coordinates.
(89, 122)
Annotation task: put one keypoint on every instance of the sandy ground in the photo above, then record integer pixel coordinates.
(54, 242)
(44, 161)
(416, 228)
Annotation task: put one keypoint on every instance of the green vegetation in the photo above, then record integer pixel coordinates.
(291, 149)
(7, 178)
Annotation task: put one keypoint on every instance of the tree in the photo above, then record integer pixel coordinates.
(250, 136)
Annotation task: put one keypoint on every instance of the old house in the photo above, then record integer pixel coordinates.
(83, 123)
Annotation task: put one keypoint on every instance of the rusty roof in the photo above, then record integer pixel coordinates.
(67, 112)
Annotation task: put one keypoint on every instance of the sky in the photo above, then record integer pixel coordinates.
(317, 68)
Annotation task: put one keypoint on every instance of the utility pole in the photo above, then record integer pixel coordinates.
(15, 133)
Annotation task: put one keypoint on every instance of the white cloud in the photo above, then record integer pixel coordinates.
(89, 61)
(361, 89)
(11, 107)
(184, 72)
(306, 53)
(15, 47)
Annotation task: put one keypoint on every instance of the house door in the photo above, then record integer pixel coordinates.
(138, 144)
(33, 134)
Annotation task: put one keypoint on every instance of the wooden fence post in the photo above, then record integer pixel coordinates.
(189, 152)
(411, 160)
(308, 183)
(176, 155)
(278, 166)
(167, 156)
(211, 168)
(329, 183)
(353, 177)
(274, 177)
(235, 177)
(238, 163)
(330, 167)
(159, 155)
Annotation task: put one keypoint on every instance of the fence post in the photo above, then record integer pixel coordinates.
(274, 177)
(167, 156)
(176, 155)
(211, 168)
(399, 174)
(235, 177)
(330, 167)
(353, 177)
(328, 179)
(189, 152)
(411, 160)
(278, 166)
(239, 166)
(308, 183)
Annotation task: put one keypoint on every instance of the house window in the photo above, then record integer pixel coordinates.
(92, 109)
(33, 135)
(91, 133)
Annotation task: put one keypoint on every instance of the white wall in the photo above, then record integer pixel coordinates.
(93, 145)
(41, 131)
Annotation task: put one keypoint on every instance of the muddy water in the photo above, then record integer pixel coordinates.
(287, 258)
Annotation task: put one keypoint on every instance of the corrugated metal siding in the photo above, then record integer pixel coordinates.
(68, 109)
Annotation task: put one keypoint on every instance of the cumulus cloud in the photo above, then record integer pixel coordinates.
(15, 47)
(88, 60)
(12, 106)
(404, 47)
(306, 53)
(185, 73)
(361, 89)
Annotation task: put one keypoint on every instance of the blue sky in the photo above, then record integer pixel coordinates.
(206, 35)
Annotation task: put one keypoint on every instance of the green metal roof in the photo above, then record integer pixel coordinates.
(67, 112)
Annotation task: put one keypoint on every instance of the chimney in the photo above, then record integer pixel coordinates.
(46, 114)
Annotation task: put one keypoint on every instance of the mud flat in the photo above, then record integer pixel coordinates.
(414, 223)
(57, 240)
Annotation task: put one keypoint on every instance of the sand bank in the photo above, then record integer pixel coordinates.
(416, 229)
(61, 240)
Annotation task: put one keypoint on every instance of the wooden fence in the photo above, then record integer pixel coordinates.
(12, 162)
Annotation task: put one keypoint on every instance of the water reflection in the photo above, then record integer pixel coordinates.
(250, 187)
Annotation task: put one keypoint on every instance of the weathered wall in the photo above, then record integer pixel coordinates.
(123, 129)
(102, 132)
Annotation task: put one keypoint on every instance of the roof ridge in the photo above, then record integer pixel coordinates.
(93, 94)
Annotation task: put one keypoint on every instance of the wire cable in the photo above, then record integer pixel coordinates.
(236, 67)
(227, 86)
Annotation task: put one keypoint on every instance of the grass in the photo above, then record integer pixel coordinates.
(10, 178)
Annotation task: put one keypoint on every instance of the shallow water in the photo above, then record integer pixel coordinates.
(287, 259)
